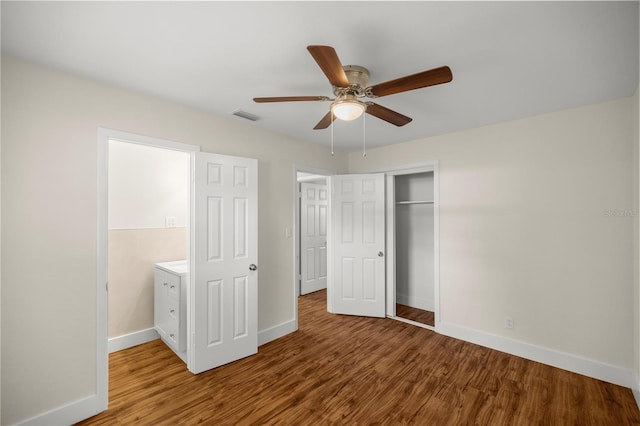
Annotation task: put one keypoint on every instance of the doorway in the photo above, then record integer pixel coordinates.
(148, 215)
(313, 208)
(102, 291)
(413, 245)
(302, 174)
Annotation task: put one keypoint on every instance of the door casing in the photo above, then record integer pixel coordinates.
(102, 348)
(429, 166)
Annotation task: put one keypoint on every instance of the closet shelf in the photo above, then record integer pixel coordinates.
(414, 202)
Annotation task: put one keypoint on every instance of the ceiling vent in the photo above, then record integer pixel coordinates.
(246, 115)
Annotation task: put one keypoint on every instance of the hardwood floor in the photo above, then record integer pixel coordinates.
(351, 370)
(415, 314)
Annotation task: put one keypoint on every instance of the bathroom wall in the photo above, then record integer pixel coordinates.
(148, 196)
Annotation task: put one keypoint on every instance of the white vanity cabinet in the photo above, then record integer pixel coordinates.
(170, 305)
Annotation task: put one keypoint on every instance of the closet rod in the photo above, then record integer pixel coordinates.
(414, 202)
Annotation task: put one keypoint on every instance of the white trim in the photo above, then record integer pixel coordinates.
(390, 232)
(67, 414)
(102, 346)
(391, 173)
(408, 321)
(134, 138)
(277, 331)
(132, 339)
(570, 362)
(102, 295)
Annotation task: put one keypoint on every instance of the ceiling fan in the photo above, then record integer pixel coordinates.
(350, 85)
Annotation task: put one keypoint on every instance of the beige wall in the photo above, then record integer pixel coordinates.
(132, 255)
(146, 185)
(49, 217)
(524, 229)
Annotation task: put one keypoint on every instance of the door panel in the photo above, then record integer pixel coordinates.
(358, 244)
(225, 243)
(313, 238)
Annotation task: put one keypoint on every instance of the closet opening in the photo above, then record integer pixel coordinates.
(412, 245)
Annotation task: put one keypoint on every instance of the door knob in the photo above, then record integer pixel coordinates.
(253, 267)
(380, 254)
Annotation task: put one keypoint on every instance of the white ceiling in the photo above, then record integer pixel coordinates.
(509, 59)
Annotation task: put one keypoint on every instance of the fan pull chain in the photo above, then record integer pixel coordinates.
(364, 136)
(331, 111)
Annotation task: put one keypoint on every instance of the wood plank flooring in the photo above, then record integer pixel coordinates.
(351, 370)
(415, 314)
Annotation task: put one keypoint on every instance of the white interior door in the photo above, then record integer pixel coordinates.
(357, 286)
(224, 287)
(313, 237)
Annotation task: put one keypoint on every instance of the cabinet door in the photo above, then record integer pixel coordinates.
(160, 312)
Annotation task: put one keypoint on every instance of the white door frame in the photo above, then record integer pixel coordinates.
(427, 166)
(102, 299)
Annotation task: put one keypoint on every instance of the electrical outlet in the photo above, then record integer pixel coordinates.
(508, 322)
(170, 222)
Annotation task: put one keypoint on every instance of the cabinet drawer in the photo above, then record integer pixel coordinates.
(168, 283)
(172, 336)
(173, 286)
(173, 310)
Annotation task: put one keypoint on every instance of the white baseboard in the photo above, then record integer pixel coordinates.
(574, 363)
(277, 331)
(636, 387)
(416, 302)
(67, 414)
(132, 339)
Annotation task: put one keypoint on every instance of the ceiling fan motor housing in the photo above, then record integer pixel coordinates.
(358, 81)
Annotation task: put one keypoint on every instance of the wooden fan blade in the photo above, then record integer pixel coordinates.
(291, 99)
(327, 59)
(325, 122)
(387, 114)
(412, 82)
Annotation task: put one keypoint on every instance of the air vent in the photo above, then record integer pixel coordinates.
(246, 115)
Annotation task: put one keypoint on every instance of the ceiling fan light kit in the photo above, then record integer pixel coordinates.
(351, 83)
(348, 109)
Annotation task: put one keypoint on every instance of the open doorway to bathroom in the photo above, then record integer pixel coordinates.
(148, 225)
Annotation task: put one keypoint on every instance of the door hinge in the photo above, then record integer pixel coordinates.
(106, 286)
